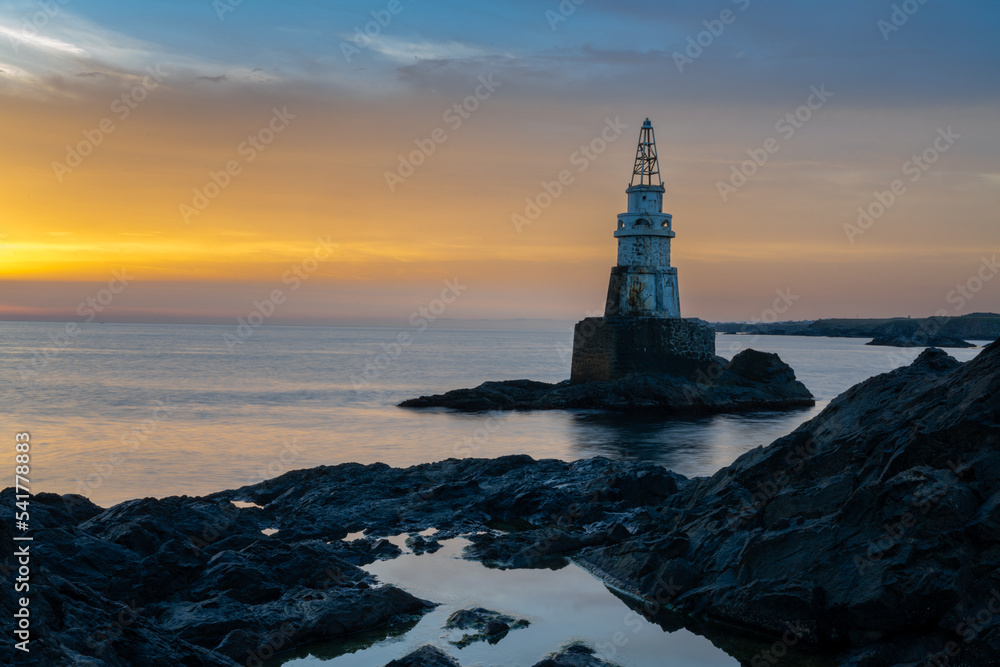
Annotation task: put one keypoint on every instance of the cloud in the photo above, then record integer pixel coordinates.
(767, 55)
(57, 56)
(407, 51)
(28, 37)
(14, 72)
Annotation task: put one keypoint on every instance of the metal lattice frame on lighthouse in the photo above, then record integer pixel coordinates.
(642, 331)
(646, 165)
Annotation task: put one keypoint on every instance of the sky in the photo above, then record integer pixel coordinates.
(358, 161)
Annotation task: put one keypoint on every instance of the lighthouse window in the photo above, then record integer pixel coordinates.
(666, 224)
(642, 222)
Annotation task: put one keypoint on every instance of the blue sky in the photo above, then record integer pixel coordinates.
(943, 51)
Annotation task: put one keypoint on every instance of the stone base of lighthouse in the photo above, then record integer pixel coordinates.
(643, 292)
(610, 348)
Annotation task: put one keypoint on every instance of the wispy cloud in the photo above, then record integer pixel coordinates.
(68, 45)
(408, 51)
(32, 40)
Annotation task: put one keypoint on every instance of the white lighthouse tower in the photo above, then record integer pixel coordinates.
(644, 284)
(642, 332)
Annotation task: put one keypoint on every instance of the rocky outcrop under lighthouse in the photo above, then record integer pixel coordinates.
(751, 381)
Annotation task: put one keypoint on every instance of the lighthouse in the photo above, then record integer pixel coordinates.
(642, 331)
(644, 284)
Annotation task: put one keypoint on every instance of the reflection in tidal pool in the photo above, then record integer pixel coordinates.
(564, 605)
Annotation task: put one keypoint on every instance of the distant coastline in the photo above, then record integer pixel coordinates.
(974, 326)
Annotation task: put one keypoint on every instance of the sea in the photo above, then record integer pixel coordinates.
(122, 411)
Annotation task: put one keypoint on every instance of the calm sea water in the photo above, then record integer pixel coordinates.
(121, 411)
(130, 410)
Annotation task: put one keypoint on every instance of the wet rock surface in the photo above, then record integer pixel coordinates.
(419, 544)
(870, 530)
(574, 655)
(187, 581)
(425, 656)
(752, 380)
(484, 624)
(871, 534)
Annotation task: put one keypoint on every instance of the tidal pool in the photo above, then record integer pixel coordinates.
(563, 605)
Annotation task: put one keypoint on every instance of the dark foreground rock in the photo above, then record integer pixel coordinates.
(423, 545)
(194, 581)
(872, 530)
(485, 625)
(188, 581)
(751, 381)
(574, 655)
(915, 341)
(425, 656)
(871, 535)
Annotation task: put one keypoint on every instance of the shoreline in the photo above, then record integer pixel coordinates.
(792, 517)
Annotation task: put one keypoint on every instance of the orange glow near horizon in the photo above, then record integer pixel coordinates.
(323, 177)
